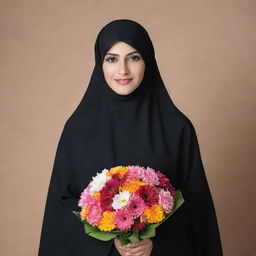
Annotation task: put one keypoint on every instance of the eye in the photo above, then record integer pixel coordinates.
(110, 59)
(135, 58)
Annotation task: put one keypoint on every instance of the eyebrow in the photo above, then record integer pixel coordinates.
(114, 54)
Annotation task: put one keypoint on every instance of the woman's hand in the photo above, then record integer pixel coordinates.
(141, 248)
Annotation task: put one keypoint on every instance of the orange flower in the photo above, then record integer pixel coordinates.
(96, 195)
(120, 170)
(132, 186)
(107, 221)
(84, 213)
(154, 214)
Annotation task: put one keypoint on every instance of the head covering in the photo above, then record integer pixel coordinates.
(142, 128)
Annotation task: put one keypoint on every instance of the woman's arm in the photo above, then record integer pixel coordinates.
(204, 231)
(62, 232)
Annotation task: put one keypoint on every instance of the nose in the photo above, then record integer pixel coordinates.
(123, 68)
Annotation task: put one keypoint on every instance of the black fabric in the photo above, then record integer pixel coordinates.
(142, 128)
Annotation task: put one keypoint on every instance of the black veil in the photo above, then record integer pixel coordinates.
(142, 128)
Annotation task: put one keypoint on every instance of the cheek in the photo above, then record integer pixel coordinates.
(108, 71)
(140, 71)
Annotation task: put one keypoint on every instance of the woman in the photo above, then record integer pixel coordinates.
(128, 122)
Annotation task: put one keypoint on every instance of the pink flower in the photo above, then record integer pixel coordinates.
(166, 200)
(134, 173)
(123, 219)
(150, 176)
(165, 183)
(94, 214)
(85, 197)
(136, 206)
(148, 194)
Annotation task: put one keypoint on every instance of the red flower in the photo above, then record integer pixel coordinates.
(138, 225)
(148, 194)
(110, 188)
(106, 203)
(165, 183)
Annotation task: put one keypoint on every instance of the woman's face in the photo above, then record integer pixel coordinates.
(123, 68)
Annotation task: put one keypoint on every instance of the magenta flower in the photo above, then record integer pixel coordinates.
(94, 213)
(136, 206)
(148, 194)
(134, 173)
(138, 225)
(123, 219)
(150, 176)
(106, 203)
(166, 200)
(110, 189)
(85, 197)
(165, 183)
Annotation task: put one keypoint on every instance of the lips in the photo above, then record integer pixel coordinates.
(123, 81)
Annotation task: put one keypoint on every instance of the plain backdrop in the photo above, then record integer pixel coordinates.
(205, 51)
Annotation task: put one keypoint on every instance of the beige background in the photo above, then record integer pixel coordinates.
(206, 55)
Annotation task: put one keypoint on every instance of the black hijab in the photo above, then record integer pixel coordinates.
(142, 128)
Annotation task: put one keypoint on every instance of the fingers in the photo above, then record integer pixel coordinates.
(137, 244)
(119, 247)
(141, 248)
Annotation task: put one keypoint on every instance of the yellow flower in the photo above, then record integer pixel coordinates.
(83, 213)
(107, 221)
(154, 214)
(96, 195)
(121, 170)
(132, 186)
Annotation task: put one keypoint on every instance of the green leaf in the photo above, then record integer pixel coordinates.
(97, 233)
(134, 237)
(149, 231)
(78, 215)
(89, 228)
(123, 237)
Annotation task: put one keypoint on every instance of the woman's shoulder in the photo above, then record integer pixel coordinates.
(180, 120)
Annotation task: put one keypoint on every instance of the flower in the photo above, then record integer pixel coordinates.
(132, 186)
(136, 206)
(154, 214)
(85, 197)
(166, 200)
(138, 224)
(126, 198)
(99, 181)
(120, 200)
(96, 195)
(83, 213)
(107, 221)
(106, 203)
(165, 183)
(148, 194)
(120, 170)
(123, 219)
(150, 176)
(94, 213)
(133, 173)
(111, 188)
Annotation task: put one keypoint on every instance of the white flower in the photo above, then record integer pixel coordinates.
(121, 199)
(99, 181)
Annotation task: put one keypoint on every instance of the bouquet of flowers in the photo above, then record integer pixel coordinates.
(127, 202)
